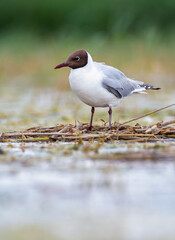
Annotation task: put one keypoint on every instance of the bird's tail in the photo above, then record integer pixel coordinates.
(149, 87)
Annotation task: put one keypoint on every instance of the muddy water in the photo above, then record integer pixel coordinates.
(60, 191)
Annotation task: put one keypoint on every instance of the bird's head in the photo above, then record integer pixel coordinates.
(77, 59)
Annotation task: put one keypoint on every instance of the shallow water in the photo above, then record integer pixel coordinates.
(70, 196)
(69, 191)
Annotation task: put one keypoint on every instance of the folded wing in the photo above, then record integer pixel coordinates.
(117, 83)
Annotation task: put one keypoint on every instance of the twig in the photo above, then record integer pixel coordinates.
(20, 134)
(160, 109)
(168, 123)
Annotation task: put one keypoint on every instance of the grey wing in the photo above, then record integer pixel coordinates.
(116, 82)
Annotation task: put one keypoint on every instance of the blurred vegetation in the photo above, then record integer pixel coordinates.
(137, 37)
(105, 17)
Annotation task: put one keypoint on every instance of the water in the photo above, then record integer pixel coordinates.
(74, 197)
(58, 191)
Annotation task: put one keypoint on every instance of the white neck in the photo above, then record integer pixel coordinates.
(90, 61)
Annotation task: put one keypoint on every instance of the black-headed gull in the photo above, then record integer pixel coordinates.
(99, 85)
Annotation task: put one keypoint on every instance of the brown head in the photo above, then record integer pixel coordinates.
(77, 59)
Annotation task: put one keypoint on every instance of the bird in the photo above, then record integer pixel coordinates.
(100, 85)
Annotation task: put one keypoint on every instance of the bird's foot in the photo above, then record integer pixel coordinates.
(89, 128)
(110, 128)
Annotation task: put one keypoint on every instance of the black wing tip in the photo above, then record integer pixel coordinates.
(155, 88)
(149, 87)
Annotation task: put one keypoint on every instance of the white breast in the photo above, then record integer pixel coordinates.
(87, 85)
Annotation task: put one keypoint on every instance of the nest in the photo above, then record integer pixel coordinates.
(73, 133)
(79, 132)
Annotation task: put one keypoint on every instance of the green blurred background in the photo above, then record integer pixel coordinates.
(108, 18)
(135, 36)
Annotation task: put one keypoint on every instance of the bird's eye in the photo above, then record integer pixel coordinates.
(77, 58)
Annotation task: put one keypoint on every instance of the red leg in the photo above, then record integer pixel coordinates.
(110, 115)
(92, 114)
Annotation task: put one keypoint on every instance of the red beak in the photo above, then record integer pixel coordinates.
(64, 64)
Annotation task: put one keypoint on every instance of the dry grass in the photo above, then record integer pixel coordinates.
(80, 132)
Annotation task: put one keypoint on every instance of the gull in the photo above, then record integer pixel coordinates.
(99, 85)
